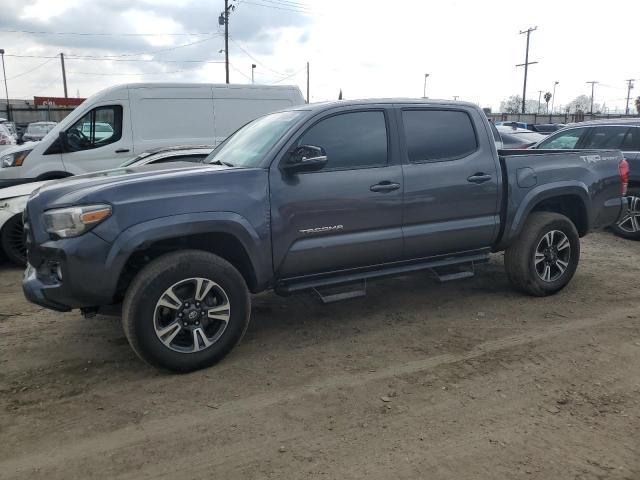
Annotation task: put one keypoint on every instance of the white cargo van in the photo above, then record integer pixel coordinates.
(120, 122)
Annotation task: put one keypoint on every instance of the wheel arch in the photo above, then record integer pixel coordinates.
(227, 235)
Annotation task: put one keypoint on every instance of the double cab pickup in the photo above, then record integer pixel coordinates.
(315, 196)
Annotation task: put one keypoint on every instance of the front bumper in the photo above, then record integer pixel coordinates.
(70, 273)
(34, 290)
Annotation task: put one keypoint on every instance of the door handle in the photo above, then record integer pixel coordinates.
(479, 178)
(384, 187)
(122, 150)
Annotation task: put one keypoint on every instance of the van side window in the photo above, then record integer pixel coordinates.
(97, 128)
(438, 135)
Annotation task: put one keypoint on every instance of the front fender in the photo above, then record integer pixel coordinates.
(163, 228)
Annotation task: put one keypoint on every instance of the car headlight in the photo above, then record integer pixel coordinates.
(74, 221)
(15, 159)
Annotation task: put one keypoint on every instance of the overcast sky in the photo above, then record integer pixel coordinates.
(367, 48)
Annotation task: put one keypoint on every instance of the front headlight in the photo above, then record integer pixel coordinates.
(15, 159)
(74, 221)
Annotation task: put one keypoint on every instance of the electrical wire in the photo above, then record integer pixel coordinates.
(30, 70)
(289, 76)
(254, 58)
(34, 32)
(277, 8)
(76, 57)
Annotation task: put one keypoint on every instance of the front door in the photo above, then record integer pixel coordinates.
(451, 182)
(99, 140)
(348, 214)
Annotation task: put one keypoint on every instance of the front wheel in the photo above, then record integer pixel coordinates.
(544, 257)
(186, 310)
(13, 241)
(629, 226)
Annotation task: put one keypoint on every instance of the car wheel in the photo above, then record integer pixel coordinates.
(186, 310)
(13, 241)
(629, 225)
(544, 257)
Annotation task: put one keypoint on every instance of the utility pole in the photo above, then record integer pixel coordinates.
(539, 95)
(526, 66)
(253, 67)
(424, 90)
(455, 97)
(593, 82)
(307, 82)
(629, 87)
(64, 75)
(223, 19)
(6, 88)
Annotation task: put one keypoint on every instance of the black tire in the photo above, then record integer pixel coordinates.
(140, 311)
(525, 269)
(629, 226)
(13, 241)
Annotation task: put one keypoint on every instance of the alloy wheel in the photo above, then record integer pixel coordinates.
(191, 315)
(630, 223)
(552, 257)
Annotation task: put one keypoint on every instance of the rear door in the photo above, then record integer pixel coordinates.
(451, 182)
(349, 214)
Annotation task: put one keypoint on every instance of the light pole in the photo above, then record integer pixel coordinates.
(539, 95)
(424, 89)
(553, 97)
(6, 89)
(253, 67)
(592, 82)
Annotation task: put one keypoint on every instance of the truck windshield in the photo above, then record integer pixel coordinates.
(247, 146)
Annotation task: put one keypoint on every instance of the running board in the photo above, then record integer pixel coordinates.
(342, 292)
(293, 285)
(448, 274)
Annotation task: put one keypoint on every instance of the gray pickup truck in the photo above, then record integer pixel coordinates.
(314, 197)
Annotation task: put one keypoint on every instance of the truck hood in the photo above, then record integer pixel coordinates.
(71, 190)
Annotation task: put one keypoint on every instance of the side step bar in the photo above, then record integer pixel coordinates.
(342, 292)
(293, 285)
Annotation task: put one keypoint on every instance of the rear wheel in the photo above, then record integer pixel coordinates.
(629, 225)
(544, 257)
(186, 310)
(13, 241)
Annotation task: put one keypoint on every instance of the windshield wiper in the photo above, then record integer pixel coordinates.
(221, 162)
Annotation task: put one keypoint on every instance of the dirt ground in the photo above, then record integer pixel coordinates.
(462, 380)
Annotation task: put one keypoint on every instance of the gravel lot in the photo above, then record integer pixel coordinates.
(461, 380)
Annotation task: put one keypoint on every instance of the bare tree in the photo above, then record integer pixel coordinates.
(637, 102)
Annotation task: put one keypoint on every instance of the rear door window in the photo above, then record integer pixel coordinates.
(438, 135)
(605, 137)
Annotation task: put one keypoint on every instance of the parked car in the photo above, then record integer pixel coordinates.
(518, 137)
(11, 127)
(12, 203)
(607, 134)
(36, 131)
(547, 128)
(13, 199)
(522, 125)
(127, 120)
(7, 140)
(315, 196)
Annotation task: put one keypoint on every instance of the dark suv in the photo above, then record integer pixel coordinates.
(608, 134)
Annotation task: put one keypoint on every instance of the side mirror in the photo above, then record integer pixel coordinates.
(305, 158)
(62, 141)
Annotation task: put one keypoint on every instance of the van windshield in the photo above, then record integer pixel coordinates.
(249, 144)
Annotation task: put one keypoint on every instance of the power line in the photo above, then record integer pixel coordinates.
(111, 34)
(100, 74)
(254, 58)
(108, 59)
(292, 5)
(31, 70)
(273, 6)
(239, 71)
(289, 76)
